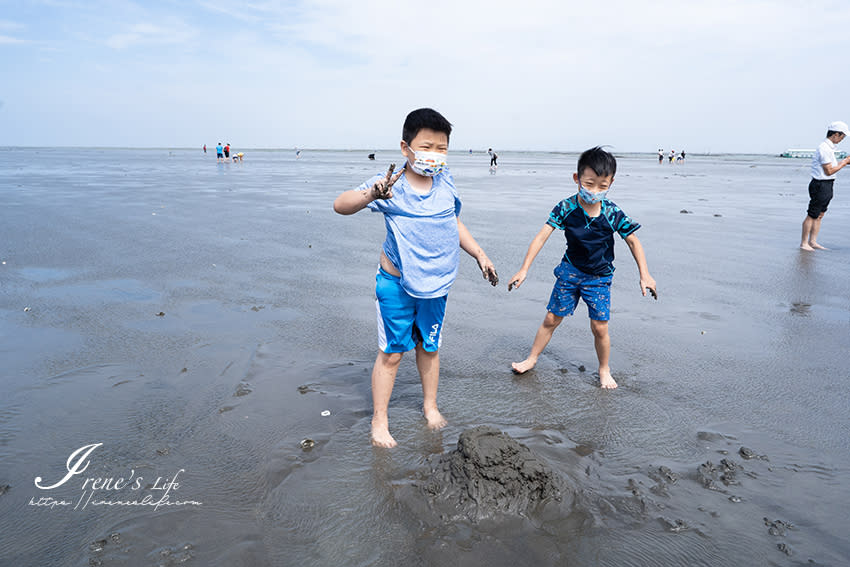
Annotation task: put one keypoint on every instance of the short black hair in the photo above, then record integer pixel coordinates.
(424, 118)
(831, 132)
(601, 162)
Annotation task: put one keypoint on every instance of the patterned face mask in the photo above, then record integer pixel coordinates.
(428, 164)
(590, 197)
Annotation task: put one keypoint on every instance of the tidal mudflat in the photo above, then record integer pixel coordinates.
(184, 326)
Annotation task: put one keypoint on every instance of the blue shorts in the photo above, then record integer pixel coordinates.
(405, 321)
(571, 284)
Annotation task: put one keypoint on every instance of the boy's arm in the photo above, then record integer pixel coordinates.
(471, 247)
(355, 200)
(533, 249)
(352, 201)
(646, 281)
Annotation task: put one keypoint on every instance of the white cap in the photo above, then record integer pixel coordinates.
(839, 126)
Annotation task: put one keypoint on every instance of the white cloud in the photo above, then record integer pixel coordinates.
(244, 13)
(7, 40)
(149, 34)
(7, 25)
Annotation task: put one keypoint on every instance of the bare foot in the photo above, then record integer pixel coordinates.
(606, 380)
(806, 247)
(524, 366)
(818, 246)
(381, 433)
(434, 418)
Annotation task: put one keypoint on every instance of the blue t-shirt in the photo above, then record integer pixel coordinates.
(219, 149)
(590, 240)
(422, 236)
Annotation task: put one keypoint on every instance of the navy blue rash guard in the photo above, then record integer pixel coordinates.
(590, 240)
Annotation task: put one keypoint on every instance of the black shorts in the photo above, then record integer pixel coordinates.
(820, 194)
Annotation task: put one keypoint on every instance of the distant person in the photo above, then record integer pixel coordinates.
(219, 153)
(672, 155)
(418, 263)
(493, 158)
(238, 156)
(824, 167)
(372, 157)
(297, 153)
(205, 148)
(682, 155)
(589, 222)
(227, 150)
(660, 155)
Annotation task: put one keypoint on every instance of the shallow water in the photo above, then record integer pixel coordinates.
(201, 316)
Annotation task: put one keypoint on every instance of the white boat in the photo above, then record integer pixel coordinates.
(807, 154)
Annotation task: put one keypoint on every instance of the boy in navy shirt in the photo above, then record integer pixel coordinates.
(589, 222)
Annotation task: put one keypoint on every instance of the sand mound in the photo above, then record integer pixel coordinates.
(489, 473)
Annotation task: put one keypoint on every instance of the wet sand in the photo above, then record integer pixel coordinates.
(197, 320)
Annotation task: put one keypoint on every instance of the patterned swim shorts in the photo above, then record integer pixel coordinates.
(571, 284)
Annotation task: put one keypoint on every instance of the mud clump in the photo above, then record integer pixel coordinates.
(489, 473)
(727, 472)
(749, 454)
(778, 527)
(243, 389)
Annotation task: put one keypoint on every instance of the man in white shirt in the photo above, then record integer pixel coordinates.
(824, 168)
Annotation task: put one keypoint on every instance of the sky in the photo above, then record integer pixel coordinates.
(721, 76)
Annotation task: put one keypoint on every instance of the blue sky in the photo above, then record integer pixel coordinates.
(737, 76)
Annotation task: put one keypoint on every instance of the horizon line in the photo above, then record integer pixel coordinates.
(368, 150)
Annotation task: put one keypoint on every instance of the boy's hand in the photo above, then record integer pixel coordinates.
(383, 188)
(648, 284)
(517, 280)
(488, 270)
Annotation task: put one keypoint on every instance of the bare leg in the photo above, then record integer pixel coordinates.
(383, 379)
(813, 238)
(602, 342)
(541, 339)
(807, 231)
(428, 364)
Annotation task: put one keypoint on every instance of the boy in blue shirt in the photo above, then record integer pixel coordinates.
(418, 262)
(589, 222)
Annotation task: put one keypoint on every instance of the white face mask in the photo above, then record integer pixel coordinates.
(428, 164)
